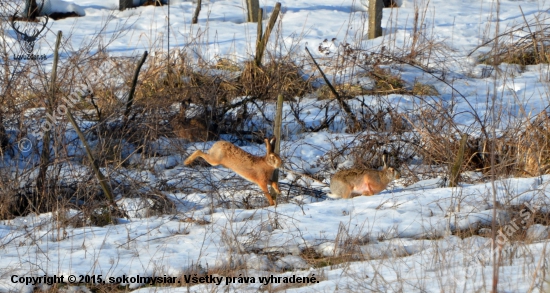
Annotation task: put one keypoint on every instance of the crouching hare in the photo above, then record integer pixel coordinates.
(366, 182)
(252, 168)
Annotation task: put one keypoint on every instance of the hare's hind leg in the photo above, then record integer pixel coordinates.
(340, 188)
(368, 190)
(193, 157)
(208, 158)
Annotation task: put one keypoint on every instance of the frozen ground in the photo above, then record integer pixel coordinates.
(405, 232)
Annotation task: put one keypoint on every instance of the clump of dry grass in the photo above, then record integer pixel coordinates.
(317, 260)
(207, 95)
(192, 129)
(421, 89)
(529, 147)
(523, 150)
(369, 153)
(386, 82)
(530, 48)
(196, 85)
(345, 90)
(274, 78)
(523, 52)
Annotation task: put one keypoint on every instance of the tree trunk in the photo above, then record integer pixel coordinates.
(375, 18)
(197, 11)
(31, 9)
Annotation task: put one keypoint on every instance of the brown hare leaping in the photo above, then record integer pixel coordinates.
(252, 168)
(366, 182)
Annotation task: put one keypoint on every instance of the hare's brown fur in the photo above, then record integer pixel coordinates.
(252, 168)
(366, 182)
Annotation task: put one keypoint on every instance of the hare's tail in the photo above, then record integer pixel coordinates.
(332, 195)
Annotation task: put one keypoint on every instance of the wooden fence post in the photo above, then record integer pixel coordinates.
(262, 43)
(125, 4)
(375, 18)
(253, 6)
(259, 29)
(277, 146)
(195, 19)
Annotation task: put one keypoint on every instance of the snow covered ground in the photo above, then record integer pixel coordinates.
(404, 235)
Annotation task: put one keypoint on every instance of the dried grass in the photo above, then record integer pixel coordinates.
(526, 44)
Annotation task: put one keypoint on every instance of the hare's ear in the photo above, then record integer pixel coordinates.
(268, 146)
(272, 143)
(385, 159)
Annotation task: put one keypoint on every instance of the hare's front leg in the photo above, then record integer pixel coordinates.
(275, 186)
(263, 186)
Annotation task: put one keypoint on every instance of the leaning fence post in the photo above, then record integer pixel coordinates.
(375, 18)
(259, 30)
(277, 133)
(262, 43)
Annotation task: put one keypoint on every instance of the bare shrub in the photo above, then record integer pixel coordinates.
(386, 83)
(528, 150)
(525, 44)
(274, 78)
